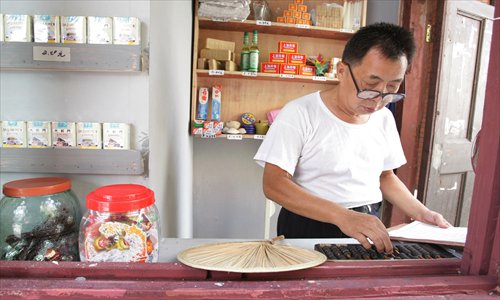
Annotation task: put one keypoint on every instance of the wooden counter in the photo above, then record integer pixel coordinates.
(334, 279)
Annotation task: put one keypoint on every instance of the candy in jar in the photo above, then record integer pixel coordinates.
(120, 225)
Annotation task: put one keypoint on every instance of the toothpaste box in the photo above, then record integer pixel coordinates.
(296, 58)
(126, 31)
(63, 134)
(17, 28)
(307, 70)
(116, 136)
(14, 134)
(289, 69)
(100, 30)
(39, 134)
(288, 47)
(74, 29)
(216, 102)
(202, 109)
(89, 135)
(46, 29)
(277, 57)
(273, 68)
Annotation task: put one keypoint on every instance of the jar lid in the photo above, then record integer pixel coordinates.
(36, 186)
(120, 198)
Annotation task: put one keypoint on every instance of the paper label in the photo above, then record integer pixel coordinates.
(43, 53)
(235, 137)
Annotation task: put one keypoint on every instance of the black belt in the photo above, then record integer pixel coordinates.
(372, 209)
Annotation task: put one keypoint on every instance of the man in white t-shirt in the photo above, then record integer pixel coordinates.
(329, 156)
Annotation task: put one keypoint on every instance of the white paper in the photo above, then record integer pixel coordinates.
(421, 231)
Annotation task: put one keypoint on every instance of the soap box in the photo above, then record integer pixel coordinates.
(63, 134)
(14, 134)
(126, 31)
(100, 30)
(89, 135)
(17, 28)
(46, 29)
(74, 29)
(39, 134)
(202, 110)
(116, 136)
(216, 102)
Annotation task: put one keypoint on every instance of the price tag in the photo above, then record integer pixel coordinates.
(60, 54)
(290, 76)
(235, 137)
(263, 23)
(303, 26)
(208, 136)
(216, 72)
(252, 74)
(259, 137)
(319, 78)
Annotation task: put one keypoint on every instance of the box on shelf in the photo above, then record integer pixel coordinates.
(230, 65)
(46, 29)
(216, 102)
(289, 69)
(126, 31)
(14, 134)
(296, 58)
(63, 134)
(89, 135)
(100, 30)
(17, 28)
(214, 64)
(288, 47)
(116, 136)
(74, 29)
(329, 16)
(202, 105)
(272, 68)
(211, 43)
(217, 54)
(277, 57)
(307, 70)
(202, 63)
(39, 134)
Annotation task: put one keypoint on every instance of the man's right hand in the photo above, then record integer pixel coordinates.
(365, 228)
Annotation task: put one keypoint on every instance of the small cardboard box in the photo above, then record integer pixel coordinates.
(89, 135)
(14, 134)
(210, 43)
(277, 57)
(74, 29)
(307, 70)
(216, 102)
(63, 134)
(288, 47)
(230, 65)
(100, 30)
(39, 134)
(289, 69)
(17, 28)
(217, 54)
(46, 29)
(116, 136)
(296, 58)
(272, 68)
(202, 105)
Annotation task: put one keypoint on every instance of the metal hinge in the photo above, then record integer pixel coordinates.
(428, 33)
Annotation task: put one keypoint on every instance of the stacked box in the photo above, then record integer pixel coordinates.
(329, 16)
(100, 30)
(74, 29)
(116, 136)
(63, 134)
(17, 28)
(46, 29)
(14, 134)
(296, 13)
(126, 31)
(287, 60)
(89, 135)
(217, 55)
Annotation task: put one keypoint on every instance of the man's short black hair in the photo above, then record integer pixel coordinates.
(392, 40)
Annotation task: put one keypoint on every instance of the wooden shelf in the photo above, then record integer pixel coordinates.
(267, 77)
(83, 57)
(71, 161)
(276, 28)
(234, 137)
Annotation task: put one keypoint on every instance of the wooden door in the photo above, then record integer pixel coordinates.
(465, 49)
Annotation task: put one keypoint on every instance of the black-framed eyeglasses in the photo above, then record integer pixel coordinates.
(372, 94)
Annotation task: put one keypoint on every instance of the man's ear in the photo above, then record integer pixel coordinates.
(341, 70)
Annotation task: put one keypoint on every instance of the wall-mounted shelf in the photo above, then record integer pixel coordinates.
(276, 28)
(267, 77)
(83, 57)
(71, 161)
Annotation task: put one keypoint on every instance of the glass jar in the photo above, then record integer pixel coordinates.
(120, 225)
(39, 220)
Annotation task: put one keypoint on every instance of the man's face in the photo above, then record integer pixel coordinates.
(375, 72)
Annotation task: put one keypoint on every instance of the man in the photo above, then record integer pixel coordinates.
(329, 156)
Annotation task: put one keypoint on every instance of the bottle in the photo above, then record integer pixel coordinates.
(254, 54)
(245, 53)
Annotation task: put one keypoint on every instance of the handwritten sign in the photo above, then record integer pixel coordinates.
(252, 74)
(259, 137)
(289, 76)
(319, 78)
(302, 26)
(44, 53)
(216, 72)
(263, 23)
(235, 137)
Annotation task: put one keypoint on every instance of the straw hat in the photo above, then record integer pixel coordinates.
(250, 257)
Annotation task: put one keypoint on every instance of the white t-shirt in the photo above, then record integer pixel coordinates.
(328, 157)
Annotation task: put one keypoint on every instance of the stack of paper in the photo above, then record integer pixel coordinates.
(421, 232)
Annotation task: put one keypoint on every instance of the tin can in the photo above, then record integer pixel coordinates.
(120, 225)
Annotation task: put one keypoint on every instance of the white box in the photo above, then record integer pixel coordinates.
(126, 31)
(39, 134)
(100, 30)
(46, 29)
(63, 134)
(17, 28)
(74, 29)
(116, 136)
(89, 135)
(14, 134)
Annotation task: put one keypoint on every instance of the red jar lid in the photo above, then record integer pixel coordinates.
(120, 198)
(36, 186)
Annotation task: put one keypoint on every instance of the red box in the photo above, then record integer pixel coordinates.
(287, 13)
(306, 16)
(280, 19)
(296, 58)
(288, 47)
(272, 68)
(302, 8)
(292, 6)
(307, 70)
(276, 57)
(290, 20)
(289, 69)
(297, 14)
(298, 1)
